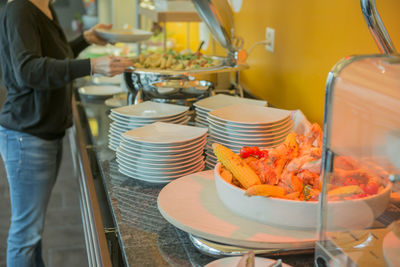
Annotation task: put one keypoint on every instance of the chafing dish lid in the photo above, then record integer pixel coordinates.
(217, 14)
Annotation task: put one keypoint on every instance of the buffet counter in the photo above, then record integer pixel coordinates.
(121, 220)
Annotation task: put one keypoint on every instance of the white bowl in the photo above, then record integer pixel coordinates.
(347, 214)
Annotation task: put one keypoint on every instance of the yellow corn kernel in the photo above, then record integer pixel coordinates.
(236, 165)
(226, 175)
(290, 141)
(345, 191)
(265, 190)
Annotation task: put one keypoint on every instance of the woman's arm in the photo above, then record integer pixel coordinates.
(87, 38)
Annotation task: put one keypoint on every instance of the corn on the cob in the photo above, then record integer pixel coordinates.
(345, 191)
(266, 190)
(240, 170)
(226, 175)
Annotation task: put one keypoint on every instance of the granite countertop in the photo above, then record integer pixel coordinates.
(146, 238)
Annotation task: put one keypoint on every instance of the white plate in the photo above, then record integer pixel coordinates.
(160, 172)
(233, 261)
(200, 125)
(99, 79)
(149, 147)
(250, 139)
(249, 134)
(115, 102)
(194, 152)
(242, 115)
(123, 123)
(150, 110)
(126, 36)
(157, 164)
(118, 117)
(146, 179)
(155, 159)
(165, 146)
(218, 139)
(118, 129)
(161, 151)
(250, 129)
(134, 174)
(99, 90)
(201, 115)
(221, 100)
(197, 119)
(177, 119)
(165, 133)
(198, 211)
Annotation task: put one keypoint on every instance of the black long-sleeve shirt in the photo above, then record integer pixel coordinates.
(38, 66)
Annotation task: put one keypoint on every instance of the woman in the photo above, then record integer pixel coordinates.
(37, 69)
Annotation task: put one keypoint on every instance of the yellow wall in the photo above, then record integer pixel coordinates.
(310, 37)
(186, 35)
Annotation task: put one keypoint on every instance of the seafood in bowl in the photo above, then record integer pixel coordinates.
(284, 185)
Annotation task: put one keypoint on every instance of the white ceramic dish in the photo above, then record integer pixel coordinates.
(197, 124)
(177, 120)
(125, 36)
(216, 139)
(117, 117)
(250, 140)
(250, 129)
(99, 79)
(155, 159)
(142, 146)
(193, 152)
(201, 114)
(141, 170)
(233, 261)
(165, 133)
(118, 129)
(145, 179)
(156, 164)
(99, 90)
(138, 175)
(150, 110)
(192, 149)
(115, 102)
(263, 134)
(167, 145)
(112, 147)
(201, 120)
(130, 123)
(114, 138)
(221, 100)
(198, 210)
(349, 214)
(243, 114)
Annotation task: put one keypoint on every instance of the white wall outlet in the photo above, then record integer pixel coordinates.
(270, 39)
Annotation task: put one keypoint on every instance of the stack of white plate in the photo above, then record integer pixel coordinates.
(160, 152)
(203, 106)
(131, 117)
(241, 125)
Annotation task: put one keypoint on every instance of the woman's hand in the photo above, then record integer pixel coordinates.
(110, 65)
(92, 38)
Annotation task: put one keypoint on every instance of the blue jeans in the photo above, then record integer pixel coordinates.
(32, 165)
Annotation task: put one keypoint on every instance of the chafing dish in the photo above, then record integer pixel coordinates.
(217, 14)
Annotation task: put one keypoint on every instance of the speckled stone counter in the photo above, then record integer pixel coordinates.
(145, 237)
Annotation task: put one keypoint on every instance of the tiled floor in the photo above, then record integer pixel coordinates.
(63, 243)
